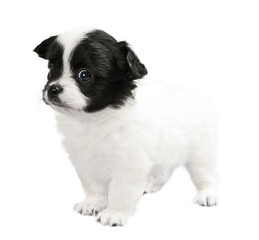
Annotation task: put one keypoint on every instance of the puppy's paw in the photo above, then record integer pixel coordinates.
(89, 207)
(112, 217)
(206, 198)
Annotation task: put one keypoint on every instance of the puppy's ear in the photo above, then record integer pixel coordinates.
(43, 48)
(136, 68)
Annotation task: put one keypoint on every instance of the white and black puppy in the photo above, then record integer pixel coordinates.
(124, 138)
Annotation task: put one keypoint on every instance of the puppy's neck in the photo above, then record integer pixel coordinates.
(99, 117)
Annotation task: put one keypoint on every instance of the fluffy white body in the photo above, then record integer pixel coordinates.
(120, 153)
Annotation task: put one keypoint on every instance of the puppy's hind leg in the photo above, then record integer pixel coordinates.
(157, 178)
(203, 172)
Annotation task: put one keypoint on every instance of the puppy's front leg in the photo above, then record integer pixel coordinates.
(95, 199)
(126, 187)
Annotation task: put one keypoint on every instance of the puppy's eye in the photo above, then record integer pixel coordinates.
(84, 75)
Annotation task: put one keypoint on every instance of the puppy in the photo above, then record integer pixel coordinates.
(124, 138)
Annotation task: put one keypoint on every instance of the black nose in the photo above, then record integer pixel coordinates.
(54, 91)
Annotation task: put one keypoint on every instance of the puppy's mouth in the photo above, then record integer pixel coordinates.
(55, 103)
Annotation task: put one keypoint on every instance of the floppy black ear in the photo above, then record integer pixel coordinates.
(137, 69)
(43, 48)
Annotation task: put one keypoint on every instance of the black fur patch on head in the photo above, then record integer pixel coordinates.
(52, 50)
(55, 57)
(43, 48)
(113, 66)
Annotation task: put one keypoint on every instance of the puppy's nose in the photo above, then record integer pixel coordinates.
(54, 91)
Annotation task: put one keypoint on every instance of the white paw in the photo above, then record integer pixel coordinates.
(89, 207)
(112, 217)
(206, 197)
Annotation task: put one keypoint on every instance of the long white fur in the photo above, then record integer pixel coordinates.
(120, 153)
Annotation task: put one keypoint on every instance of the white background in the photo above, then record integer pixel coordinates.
(211, 46)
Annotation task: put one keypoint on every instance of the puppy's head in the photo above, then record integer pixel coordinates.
(88, 71)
